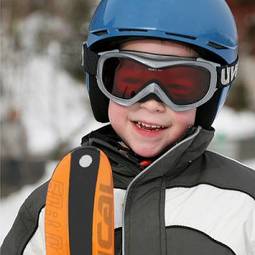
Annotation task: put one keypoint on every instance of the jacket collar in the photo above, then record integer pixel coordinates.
(170, 163)
(180, 156)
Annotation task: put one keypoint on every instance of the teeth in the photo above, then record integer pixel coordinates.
(148, 126)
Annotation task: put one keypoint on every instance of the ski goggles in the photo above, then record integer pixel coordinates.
(127, 77)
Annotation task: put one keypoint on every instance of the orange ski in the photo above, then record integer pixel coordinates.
(79, 215)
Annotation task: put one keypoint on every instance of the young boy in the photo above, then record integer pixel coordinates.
(160, 71)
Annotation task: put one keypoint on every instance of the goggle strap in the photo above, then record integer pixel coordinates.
(89, 60)
(227, 74)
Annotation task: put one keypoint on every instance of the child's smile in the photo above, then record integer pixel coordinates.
(149, 127)
(148, 130)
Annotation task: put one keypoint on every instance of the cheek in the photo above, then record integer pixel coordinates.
(117, 115)
(186, 118)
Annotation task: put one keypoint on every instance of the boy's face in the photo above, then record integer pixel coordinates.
(150, 126)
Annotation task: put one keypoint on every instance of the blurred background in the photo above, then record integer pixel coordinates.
(44, 108)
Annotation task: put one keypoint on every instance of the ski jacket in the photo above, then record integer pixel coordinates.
(188, 201)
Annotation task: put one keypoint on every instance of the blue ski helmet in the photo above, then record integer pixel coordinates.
(207, 26)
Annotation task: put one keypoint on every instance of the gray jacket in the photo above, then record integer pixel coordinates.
(189, 201)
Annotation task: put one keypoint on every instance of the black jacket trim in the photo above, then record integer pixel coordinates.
(215, 244)
(218, 171)
(210, 184)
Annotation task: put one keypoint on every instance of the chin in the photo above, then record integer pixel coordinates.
(147, 153)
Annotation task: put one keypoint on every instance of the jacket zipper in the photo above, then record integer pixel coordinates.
(140, 174)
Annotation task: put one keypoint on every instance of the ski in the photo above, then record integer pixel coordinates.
(79, 213)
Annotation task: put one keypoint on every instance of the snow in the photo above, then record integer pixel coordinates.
(39, 29)
(235, 134)
(235, 125)
(54, 106)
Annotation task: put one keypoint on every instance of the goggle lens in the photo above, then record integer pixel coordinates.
(184, 84)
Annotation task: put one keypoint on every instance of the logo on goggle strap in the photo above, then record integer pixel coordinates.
(228, 74)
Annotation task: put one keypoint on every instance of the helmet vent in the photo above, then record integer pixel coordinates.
(216, 45)
(181, 35)
(132, 30)
(100, 32)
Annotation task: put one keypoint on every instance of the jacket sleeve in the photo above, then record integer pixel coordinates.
(25, 224)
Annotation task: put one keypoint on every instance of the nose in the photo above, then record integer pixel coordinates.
(153, 105)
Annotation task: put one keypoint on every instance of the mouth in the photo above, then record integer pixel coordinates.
(149, 127)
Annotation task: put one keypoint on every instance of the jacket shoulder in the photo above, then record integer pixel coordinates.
(25, 223)
(229, 173)
(216, 170)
